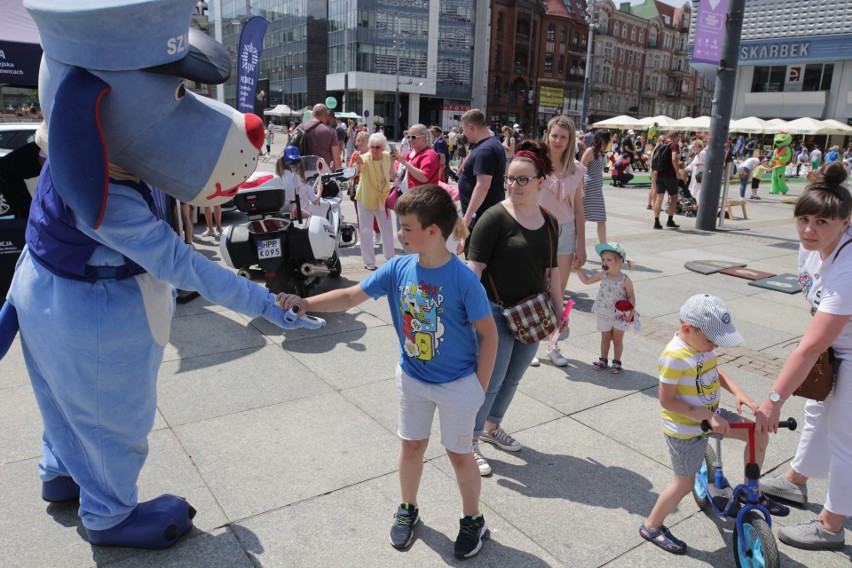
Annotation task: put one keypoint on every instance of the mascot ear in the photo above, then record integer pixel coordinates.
(77, 154)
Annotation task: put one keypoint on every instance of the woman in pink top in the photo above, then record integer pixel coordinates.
(562, 195)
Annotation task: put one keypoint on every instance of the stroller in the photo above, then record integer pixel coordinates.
(686, 204)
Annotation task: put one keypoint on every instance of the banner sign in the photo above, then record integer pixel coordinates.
(710, 31)
(251, 47)
(551, 97)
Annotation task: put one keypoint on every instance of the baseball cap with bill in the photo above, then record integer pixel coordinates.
(709, 314)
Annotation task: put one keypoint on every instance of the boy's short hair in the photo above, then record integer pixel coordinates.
(432, 205)
(710, 315)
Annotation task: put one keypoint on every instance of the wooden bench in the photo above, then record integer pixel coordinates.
(733, 202)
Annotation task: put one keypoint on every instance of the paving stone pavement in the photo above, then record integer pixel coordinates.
(286, 442)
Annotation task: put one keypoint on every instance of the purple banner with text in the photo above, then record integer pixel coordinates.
(710, 31)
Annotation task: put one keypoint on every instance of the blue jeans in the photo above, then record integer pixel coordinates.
(513, 360)
(743, 185)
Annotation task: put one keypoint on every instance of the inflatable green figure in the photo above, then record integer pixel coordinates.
(783, 155)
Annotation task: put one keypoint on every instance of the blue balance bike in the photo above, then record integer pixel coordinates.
(753, 542)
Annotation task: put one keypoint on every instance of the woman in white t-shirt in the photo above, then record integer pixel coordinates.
(291, 170)
(825, 448)
(696, 166)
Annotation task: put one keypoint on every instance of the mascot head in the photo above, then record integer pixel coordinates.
(112, 90)
(782, 140)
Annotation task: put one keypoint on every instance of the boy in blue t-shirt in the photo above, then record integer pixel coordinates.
(438, 308)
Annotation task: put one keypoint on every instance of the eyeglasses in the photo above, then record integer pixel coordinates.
(377, 147)
(522, 181)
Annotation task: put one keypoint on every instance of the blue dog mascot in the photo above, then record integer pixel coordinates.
(93, 293)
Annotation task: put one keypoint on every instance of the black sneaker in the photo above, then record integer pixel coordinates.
(402, 531)
(657, 225)
(472, 531)
(672, 225)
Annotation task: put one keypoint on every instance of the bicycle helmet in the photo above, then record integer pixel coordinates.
(291, 156)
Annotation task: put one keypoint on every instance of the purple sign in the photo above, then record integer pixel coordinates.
(709, 31)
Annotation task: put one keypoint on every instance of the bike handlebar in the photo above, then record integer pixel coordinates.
(790, 424)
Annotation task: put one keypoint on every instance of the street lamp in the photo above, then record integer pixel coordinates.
(591, 17)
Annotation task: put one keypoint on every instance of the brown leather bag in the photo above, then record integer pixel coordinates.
(819, 382)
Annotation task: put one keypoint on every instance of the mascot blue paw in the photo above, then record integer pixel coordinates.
(158, 523)
(60, 489)
(8, 327)
(290, 318)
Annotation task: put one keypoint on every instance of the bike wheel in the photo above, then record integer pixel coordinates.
(708, 474)
(761, 548)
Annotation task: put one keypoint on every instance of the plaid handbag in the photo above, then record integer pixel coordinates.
(532, 319)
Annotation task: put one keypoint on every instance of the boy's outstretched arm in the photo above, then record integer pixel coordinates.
(333, 301)
(740, 396)
(487, 331)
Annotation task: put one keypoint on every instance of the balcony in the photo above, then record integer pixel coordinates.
(575, 78)
(679, 73)
(577, 47)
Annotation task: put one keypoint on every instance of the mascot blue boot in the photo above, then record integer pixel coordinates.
(99, 271)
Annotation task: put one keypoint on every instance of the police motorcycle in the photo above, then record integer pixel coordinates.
(294, 251)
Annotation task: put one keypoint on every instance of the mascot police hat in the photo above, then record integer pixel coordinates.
(140, 34)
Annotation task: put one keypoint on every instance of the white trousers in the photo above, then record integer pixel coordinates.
(365, 217)
(825, 448)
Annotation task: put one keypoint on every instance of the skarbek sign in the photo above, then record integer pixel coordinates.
(775, 50)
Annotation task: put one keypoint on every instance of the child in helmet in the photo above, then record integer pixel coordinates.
(292, 171)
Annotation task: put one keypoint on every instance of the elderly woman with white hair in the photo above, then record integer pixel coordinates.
(378, 169)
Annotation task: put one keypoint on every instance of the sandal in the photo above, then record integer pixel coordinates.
(663, 538)
(616, 367)
(601, 364)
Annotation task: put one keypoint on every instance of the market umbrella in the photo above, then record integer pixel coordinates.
(622, 122)
(831, 126)
(750, 125)
(804, 125)
(663, 122)
(775, 125)
(352, 115)
(697, 124)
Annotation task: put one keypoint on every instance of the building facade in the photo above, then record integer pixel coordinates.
(795, 60)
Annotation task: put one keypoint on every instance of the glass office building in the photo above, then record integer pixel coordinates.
(375, 57)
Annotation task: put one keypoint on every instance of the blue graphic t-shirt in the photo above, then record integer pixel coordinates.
(432, 311)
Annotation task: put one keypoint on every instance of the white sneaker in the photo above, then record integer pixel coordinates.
(501, 439)
(535, 362)
(484, 468)
(207, 233)
(556, 358)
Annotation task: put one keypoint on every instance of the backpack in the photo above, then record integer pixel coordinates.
(662, 158)
(299, 139)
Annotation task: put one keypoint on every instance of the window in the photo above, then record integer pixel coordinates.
(630, 58)
(818, 77)
(548, 63)
(615, 29)
(576, 39)
(619, 79)
(563, 34)
(633, 34)
(768, 79)
(641, 36)
(561, 69)
(500, 22)
(497, 58)
(551, 32)
(621, 56)
(624, 32)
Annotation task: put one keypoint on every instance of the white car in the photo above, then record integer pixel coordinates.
(13, 135)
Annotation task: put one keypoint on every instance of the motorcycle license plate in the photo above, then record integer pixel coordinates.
(270, 248)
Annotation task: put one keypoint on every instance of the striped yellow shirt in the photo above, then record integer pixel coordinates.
(697, 381)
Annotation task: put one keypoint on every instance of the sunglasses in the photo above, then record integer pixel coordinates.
(377, 147)
(415, 136)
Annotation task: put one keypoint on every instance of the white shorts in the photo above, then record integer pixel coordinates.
(567, 238)
(606, 324)
(457, 403)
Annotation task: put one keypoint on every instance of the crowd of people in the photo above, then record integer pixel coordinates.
(525, 204)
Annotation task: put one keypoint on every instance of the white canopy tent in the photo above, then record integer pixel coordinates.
(280, 110)
(697, 124)
(663, 122)
(831, 126)
(803, 125)
(750, 125)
